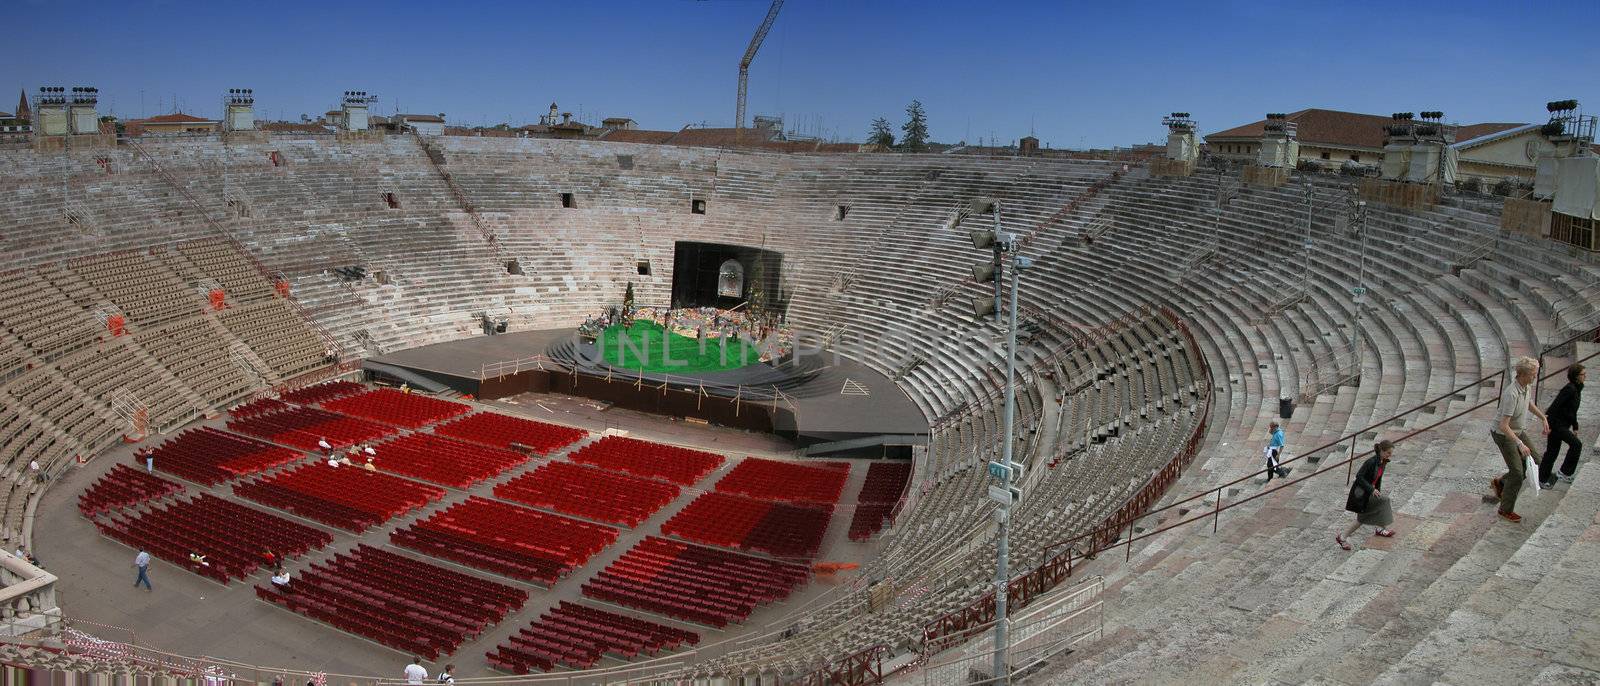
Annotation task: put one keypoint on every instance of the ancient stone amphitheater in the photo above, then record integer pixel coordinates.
(1164, 320)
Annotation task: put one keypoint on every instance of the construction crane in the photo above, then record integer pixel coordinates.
(750, 56)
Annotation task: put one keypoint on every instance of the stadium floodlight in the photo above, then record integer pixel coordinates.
(982, 306)
(983, 239)
(983, 272)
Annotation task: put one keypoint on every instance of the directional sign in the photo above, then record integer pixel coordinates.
(1004, 472)
(1005, 495)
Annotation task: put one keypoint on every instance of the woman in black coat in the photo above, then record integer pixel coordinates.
(1563, 414)
(1367, 498)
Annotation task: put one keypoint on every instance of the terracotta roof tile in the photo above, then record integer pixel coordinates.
(1346, 129)
(174, 118)
(481, 133)
(715, 137)
(1329, 127)
(291, 127)
(1467, 133)
(638, 136)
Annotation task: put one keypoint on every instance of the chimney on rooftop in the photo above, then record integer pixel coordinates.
(566, 117)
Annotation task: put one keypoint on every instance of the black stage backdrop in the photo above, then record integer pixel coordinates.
(696, 268)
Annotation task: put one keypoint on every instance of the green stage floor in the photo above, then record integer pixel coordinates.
(639, 347)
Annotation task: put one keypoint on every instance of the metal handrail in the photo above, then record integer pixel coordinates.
(542, 362)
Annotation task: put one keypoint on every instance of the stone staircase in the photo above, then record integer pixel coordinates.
(1459, 596)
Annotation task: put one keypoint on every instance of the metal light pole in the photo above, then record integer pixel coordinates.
(1358, 223)
(1305, 272)
(999, 261)
(1002, 574)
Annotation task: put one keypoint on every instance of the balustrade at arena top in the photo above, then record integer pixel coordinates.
(28, 589)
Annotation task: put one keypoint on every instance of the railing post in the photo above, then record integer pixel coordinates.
(1350, 462)
(1216, 514)
(1127, 550)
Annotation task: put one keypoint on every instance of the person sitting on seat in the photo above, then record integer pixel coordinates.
(198, 559)
(280, 578)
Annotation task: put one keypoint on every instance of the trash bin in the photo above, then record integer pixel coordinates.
(1286, 408)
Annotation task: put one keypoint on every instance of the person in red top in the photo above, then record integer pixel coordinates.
(1367, 498)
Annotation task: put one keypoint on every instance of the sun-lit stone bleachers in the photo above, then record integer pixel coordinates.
(372, 242)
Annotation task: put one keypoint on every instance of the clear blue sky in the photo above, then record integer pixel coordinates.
(1077, 74)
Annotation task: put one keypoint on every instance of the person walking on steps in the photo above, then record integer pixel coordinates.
(415, 674)
(1274, 451)
(1367, 498)
(142, 561)
(1516, 401)
(1563, 417)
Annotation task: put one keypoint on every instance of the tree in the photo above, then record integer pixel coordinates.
(881, 135)
(627, 307)
(758, 297)
(915, 128)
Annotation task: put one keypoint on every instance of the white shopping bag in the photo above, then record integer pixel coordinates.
(1531, 474)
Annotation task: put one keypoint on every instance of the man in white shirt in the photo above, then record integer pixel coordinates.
(280, 578)
(415, 674)
(1516, 401)
(142, 561)
(327, 448)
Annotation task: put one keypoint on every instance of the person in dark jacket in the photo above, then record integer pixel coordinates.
(1367, 498)
(1563, 414)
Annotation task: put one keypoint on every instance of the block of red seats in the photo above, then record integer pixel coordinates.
(348, 497)
(516, 541)
(682, 466)
(124, 486)
(884, 487)
(734, 521)
(259, 406)
(589, 492)
(577, 636)
(694, 583)
(303, 427)
(809, 482)
(322, 392)
(230, 536)
(506, 431)
(403, 603)
(389, 406)
(443, 460)
(209, 456)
